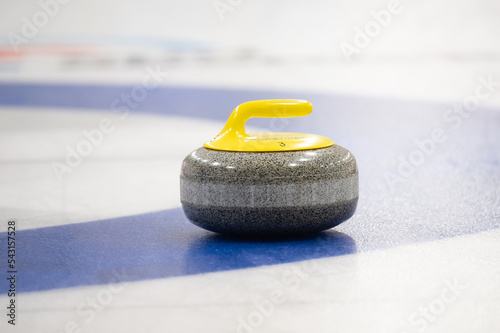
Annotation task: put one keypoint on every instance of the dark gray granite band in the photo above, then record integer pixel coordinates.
(268, 167)
(273, 221)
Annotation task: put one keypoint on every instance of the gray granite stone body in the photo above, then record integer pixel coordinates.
(269, 193)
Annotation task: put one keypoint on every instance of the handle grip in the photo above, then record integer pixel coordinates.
(266, 108)
(272, 108)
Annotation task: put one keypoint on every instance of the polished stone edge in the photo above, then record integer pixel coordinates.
(321, 192)
(207, 165)
(269, 221)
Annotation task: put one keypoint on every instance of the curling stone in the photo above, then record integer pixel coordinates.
(268, 184)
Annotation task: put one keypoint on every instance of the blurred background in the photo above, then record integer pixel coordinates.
(431, 50)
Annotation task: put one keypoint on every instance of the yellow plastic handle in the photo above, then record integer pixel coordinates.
(233, 136)
(267, 108)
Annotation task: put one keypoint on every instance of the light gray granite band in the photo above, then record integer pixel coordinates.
(307, 193)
